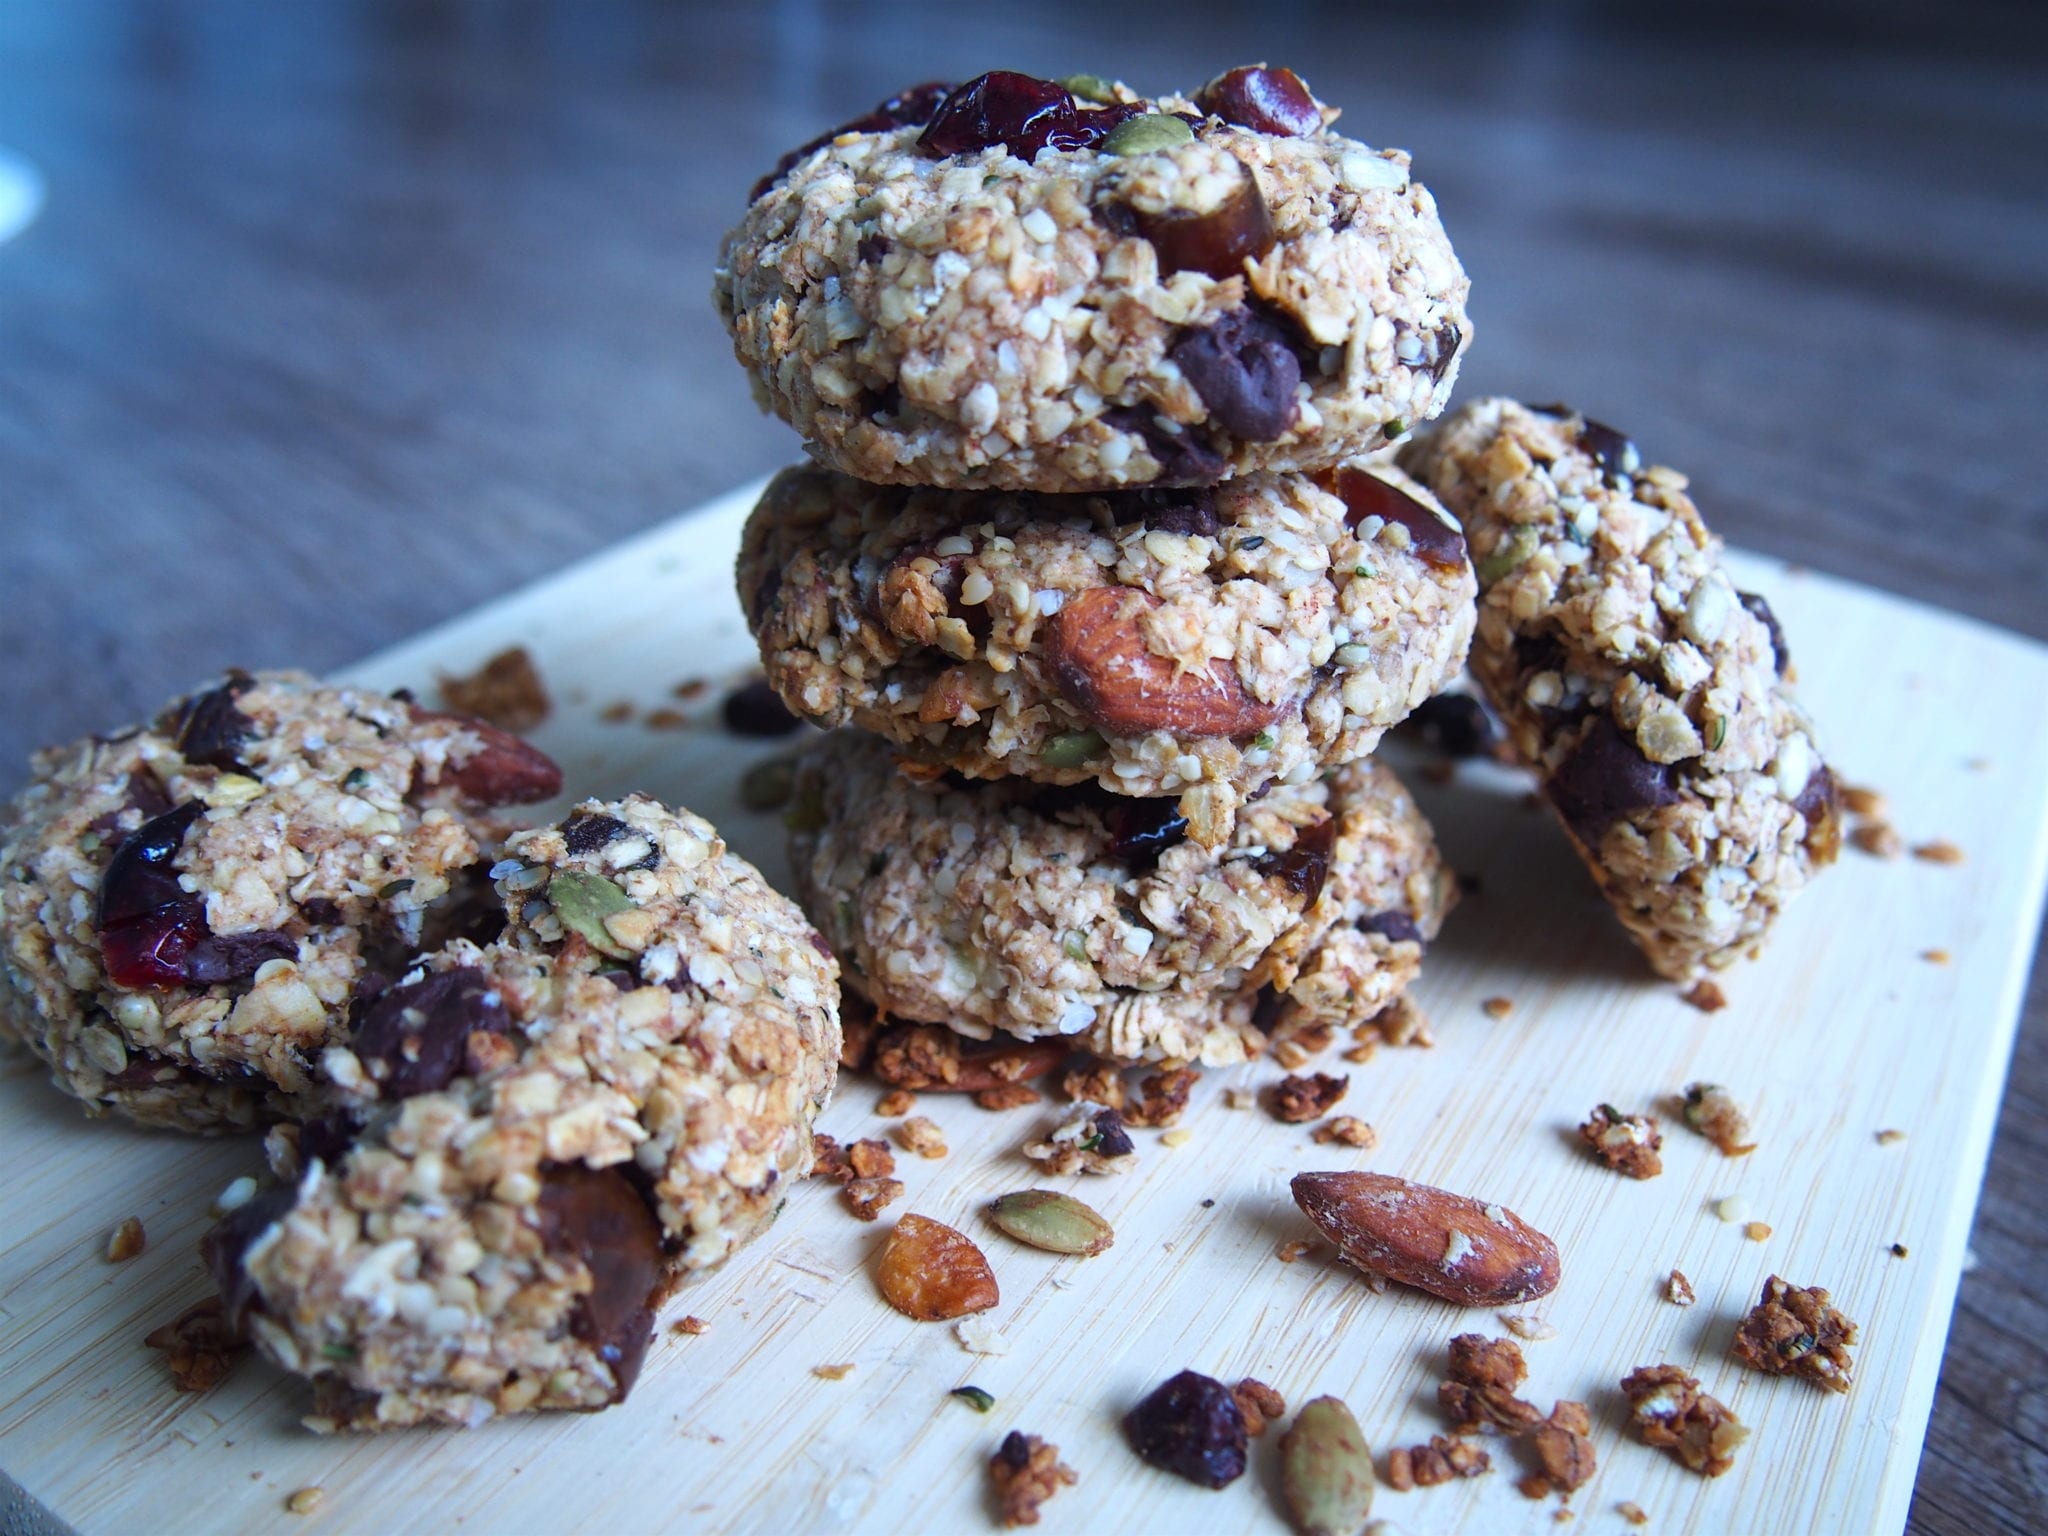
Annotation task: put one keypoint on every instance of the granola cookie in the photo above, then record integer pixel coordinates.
(1012, 285)
(1066, 912)
(186, 907)
(1646, 690)
(1200, 642)
(538, 1134)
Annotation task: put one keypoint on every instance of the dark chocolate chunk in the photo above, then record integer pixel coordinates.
(1393, 924)
(1184, 458)
(230, 1239)
(589, 832)
(1245, 371)
(596, 1216)
(1189, 510)
(210, 730)
(1614, 453)
(1110, 1138)
(1605, 779)
(412, 1038)
(226, 957)
(1761, 610)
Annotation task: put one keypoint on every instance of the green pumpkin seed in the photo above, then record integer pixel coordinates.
(1055, 1222)
(767, 786)
(1143, 135)
(975, 1398)
(1070, 749)
(1326, 1471)
(1089, 87)
(1508, 556)
(583, 902)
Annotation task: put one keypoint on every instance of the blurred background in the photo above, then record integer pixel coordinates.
(338, 319)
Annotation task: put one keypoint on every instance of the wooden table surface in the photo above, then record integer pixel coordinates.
(342, 318)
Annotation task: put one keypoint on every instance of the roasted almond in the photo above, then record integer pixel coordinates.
(1467, 1251)
(933, 1273)
(1096, 652)
(1057, 1223)
(1326, 1473)
(503, 771)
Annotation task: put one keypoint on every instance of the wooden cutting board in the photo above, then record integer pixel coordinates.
(1843, 1030)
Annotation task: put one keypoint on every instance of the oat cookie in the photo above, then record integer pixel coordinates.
(538, 1133)
(1015, 285)
(1066, 912)
(1635, 679)
(1199, 642)
(186, 907)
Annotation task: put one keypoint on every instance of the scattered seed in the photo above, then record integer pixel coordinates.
(1326, 1471)
(1179, 1136)
(1898, 1250)
(834, 1372)
(1941, 851)
(1632, 1512)
(1756, 1231)
(691, 1325)
(1497, 1007)
(305, 1501)
(1732, 1208)
(1879, 839)
(974, 1397)
(1043, 1218)
(126, 1241)
(1859, 801)
(1706, 996)
(1935, 956)
(583, 901)
(1890, 1138)
(1288, 1252)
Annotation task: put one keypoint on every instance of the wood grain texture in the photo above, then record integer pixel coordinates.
(733, 1430)
(342, 318)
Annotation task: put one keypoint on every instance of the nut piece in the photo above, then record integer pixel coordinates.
(199, 1346)
(1626, 1143)
(1057, 1223)
(1096, 654)
(1345, 1131)
(1452, 1246)
(1793, 1331)
(933, 1273)
(1678, 1290)
(126, 1241)
(1326, 1474)
(921, 1134)
(1671, 1411)
(1027, 1471)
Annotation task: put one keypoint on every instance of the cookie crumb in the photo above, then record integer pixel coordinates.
(1522, 1326)
(1678, 1290)
(1632, 1512)
(921, 1134)
(1626, 1143)
(199, 1346)
(1712, 1111)
(1162, 1096)
(306, 1500)
(1297, 1100)
(1239, 1098)
(1935, 956)
(1756, 1231)
(896, 1103)
(1479, 1386)
(1345, 1131)
(1706, 996)
(1859, 801)
(868, 1198)
(1497, 1007)
(1099, 1082)
(1563, 1445)
(616, 713)
(978, 1336)
(1879, 839)
(1401, 1022)
(1671, 1411)
(1027, 1471)
(505, 691)
(1890, 1138)
(1259, 1404)
(691, 688)
(692, 1325)
(1426, 1466)
(1940, 851)
(126, 1241)
(834, 1372)
(1006, 1096)
(1091, 1139)
(664, 719)
(1795, 1331)
(1288, 1252)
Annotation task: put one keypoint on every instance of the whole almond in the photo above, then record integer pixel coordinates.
(503, 771)
(1057, 1223)
(1467, 1251)
(933, 1273)
(1326, 1473)
(1101, 665)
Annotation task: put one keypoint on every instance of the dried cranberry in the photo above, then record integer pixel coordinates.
(1142, 829)
(1191, 510)
(912, 107)
(586, 833)
(142, 875)
(1263, 100)
(1604, 779)
(597, 1217)
(228, 1243)
(1021, 112)
(1394, 925)
(1433, 537)
(1455, 724)
(753, 709)
(1216, 243)
(1192, 1426)
(210, 730)
(1304, 867)
(1761, 611)
(1245, 371)
(412, 1038)
(148, 953)
(1184, 459)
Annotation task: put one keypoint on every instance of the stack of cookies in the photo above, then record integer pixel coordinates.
(1103, 556)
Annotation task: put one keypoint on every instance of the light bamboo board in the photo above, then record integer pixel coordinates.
(1841, 1031)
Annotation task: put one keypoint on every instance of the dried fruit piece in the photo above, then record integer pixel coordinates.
(933, 1273)
(1263, 100)
(1671, 1411)
(126, 1241)
(1604, 779)
(1217, 243)
(1326, 1473)
(1795, 1331)
(1191, 1426)
(1626, 1143)
(583, 901)
(596, 1216)
(1305, 867)
(1057, 1223)
(1464, 1250)
(1431, 534)
(1023, 113)
(1027, 1471)
(1096, 654)
(210, 730)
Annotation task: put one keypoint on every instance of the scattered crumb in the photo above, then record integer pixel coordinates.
(1859, 801)
(1259, 1404)
(305, 1501)
(1534, 1329)
(1712, 1111)
(1879, 839)
(1401, 1022)
(1890, 1138)
(868, 1198)
(1288, 1252)
(921, 1134)
(834, 1372)
(1026, 1472)
(896, 1103)
(1732, 1208)
(1099, 1082)
(198, 1345)
(1534, 1486)
(1425, 1466)
(692, 688)
(617, 713)
(126, 1241)
(1671, 1411)
(664, 719)
(1345, 1131)
(1479, 1386)
(506, 691)
(1678, 1290)
(1497, 1007)
(1795, 1331)
(1563, 1446)
(1632, 1512)
(1756, 1231)
(1935, 956)
(1299, 1099)
(1162, 1096)
(1940, 851)
(1706, 996)
(978, 1336)
(1898, 1250)
(692, 1325)
(867, 1158)
(1091, 1139)
(1006, 1096)
(1239, 1098)
(1626, 1143)
(1178, 1137)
